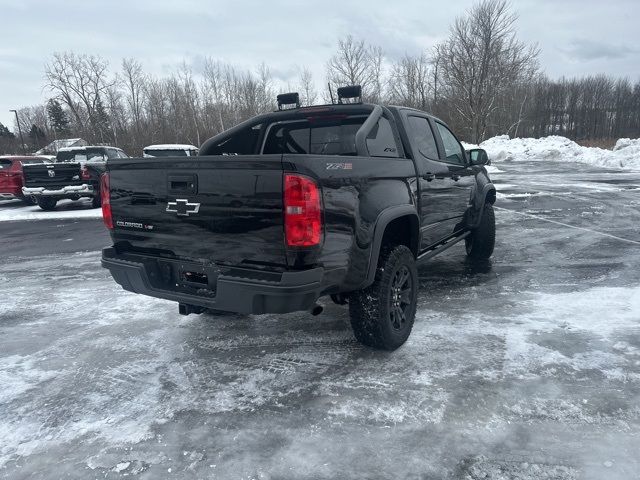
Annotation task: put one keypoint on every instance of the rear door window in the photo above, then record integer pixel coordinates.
(423, 136)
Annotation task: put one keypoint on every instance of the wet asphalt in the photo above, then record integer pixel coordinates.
(527, 366)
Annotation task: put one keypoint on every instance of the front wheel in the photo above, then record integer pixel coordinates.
(382, 314)
(29, 200)
(482, 240)
(46, 203)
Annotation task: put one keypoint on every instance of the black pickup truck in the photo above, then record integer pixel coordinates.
(338, 200)
(75, 174)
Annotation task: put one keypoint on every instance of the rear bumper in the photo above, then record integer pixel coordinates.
(295, 291)
(71, 190)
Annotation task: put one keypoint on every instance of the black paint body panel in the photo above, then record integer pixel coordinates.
(240, 222)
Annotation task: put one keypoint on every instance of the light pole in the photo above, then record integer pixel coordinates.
(19, 131)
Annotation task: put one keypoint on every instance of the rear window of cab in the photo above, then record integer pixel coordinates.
(329, 135)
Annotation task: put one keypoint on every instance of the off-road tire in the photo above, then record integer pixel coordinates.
(482, 240)
(46, 203)
(376, 319)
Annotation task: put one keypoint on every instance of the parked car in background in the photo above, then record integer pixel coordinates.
(74, 175)
(11, 177)
(170, 150)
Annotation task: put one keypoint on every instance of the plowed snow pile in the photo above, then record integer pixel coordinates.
(625, 155)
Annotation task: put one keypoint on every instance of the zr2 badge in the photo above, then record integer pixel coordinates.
(339, 166)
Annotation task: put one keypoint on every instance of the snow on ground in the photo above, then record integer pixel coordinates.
(625, 155)
(14, 210)
(526, 367)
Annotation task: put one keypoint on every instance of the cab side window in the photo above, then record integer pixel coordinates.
(452, 148)
(423, 135)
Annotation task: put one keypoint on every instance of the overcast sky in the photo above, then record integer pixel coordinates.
(576, 37)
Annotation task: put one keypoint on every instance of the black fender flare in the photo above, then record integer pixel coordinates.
(385, 218)
(479, 202)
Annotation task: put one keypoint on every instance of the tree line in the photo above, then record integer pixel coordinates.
(481, 80)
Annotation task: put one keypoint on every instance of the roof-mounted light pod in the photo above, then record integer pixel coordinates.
(350, 92)
(286, 100)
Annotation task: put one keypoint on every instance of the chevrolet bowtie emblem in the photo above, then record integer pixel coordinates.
(182, 207)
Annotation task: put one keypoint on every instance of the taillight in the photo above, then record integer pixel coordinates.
(84, 173)
(105, 200)
(302, 211)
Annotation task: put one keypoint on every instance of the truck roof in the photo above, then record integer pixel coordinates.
(85, 147)
(170, 146)
(335, 107)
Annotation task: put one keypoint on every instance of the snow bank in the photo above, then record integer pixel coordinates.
(14, 210)
(625, 155)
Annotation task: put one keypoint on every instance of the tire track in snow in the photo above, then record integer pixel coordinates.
(569, 226)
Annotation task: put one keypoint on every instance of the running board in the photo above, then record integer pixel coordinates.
(441, 247)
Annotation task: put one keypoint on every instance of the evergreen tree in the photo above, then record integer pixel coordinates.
(5, 133)
(58, 118)
(102, 124)
(37, 136)
(7, 140)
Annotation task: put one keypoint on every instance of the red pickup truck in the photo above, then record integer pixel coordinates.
(12, 178)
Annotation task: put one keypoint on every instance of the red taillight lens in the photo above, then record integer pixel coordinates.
(105, 200)
(302, 211)
(85, 174)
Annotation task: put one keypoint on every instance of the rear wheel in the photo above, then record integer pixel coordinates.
(382, 314)
(46, 203)
(482, 240)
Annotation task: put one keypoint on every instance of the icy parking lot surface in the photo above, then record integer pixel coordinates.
(527, 367)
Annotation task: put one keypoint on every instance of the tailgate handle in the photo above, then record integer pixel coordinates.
(183, 183)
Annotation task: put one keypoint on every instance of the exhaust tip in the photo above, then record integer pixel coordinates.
(316, 310)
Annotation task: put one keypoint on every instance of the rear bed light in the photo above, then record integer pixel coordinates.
(302, 211)
(105, 200)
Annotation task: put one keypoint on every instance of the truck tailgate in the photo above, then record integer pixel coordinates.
(55, 174)
(223, 209)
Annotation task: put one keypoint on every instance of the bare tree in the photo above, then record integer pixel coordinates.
(409, 82)
(479, 60)
(134, 84)
(80, 81)
(355, 63)
(481, 80)
(306, 87)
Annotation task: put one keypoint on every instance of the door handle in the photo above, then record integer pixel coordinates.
(455, 177)
(429, 176)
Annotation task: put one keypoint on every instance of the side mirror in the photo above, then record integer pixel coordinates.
(478, 156)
